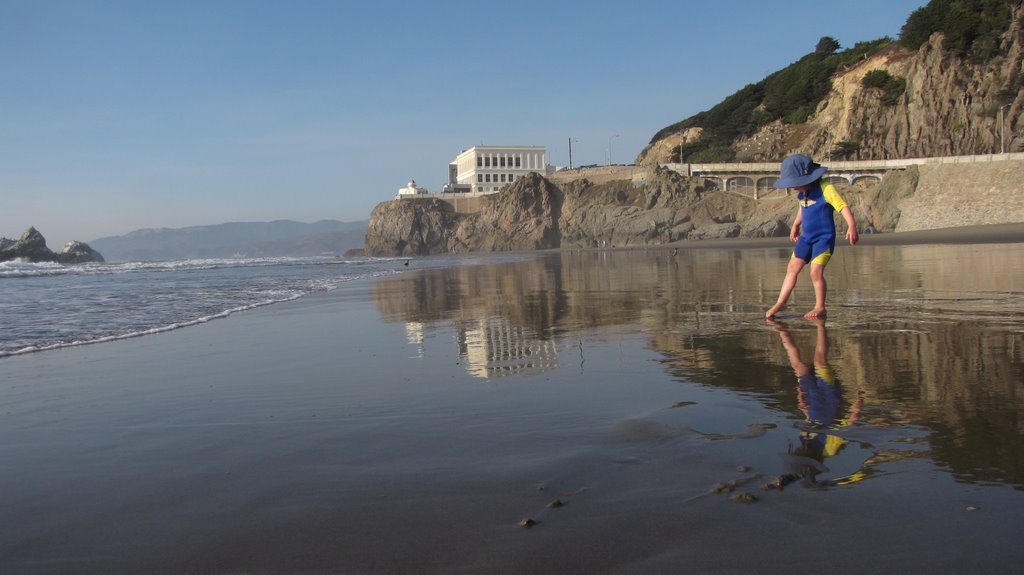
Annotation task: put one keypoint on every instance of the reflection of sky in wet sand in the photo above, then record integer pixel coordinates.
(927, 338)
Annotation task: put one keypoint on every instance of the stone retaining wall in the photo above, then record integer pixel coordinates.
(951, 195)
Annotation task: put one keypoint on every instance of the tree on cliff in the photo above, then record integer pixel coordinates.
(827, 45)
(970, 28)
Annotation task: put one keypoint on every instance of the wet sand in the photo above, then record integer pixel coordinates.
(992, 234)
(409, 424)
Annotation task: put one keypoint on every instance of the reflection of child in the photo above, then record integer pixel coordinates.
(820, 398)
(817, 240)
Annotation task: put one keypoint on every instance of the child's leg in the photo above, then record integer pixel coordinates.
(792, 272)
(821, 253)
(820, 289)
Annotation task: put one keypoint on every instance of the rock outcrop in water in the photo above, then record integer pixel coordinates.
(32, 247)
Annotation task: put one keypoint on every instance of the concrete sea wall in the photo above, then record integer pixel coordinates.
(953, 195)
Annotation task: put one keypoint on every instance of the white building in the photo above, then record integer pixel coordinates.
(488, 168)
(411, 191)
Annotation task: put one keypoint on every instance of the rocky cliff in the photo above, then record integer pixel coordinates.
(32, 247)
(943, 105)
(663, 206)
(949, 107)
(524, 217)
(535, 213)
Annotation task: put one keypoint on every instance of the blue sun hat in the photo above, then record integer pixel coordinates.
(799, 170)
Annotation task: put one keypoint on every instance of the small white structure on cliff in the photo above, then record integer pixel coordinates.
(411, 191)
(488, 168)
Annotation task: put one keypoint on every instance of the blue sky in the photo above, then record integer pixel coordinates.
(117, 115)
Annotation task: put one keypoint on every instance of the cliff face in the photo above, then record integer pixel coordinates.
(419, 226)
(950, 107)
(535, 213)
(661, 208)
(523, 217)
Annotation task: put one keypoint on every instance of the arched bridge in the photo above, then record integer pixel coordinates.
(759, 177)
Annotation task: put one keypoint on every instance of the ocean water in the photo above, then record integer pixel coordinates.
(47, 306)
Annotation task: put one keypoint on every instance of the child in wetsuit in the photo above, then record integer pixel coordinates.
(818, 203)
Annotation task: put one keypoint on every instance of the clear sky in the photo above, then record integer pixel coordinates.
(117, 115)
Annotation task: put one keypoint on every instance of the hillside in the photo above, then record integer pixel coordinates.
(950, 86)
(252, 239)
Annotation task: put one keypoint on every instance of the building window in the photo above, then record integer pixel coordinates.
(511, 177)
(479, 178)
(479, 162)
(503, 161)
(487, 162)
(518, 162)
(479, 188)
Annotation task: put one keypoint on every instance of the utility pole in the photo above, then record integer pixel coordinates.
(570, 153)
(609, 147)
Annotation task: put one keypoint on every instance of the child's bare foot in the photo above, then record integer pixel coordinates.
(815, 314)
(771, 313)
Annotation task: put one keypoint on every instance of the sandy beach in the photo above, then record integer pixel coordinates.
(620, 411)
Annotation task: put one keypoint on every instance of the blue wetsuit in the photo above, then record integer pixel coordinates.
(818, 229)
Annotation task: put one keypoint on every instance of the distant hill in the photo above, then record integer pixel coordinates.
(251, 239)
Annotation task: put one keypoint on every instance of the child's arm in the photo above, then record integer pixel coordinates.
(794, 232)
(851, 225)
(839, 204)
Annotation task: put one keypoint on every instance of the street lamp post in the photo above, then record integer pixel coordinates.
(610, 147)
(570, 151)
(1002, 129)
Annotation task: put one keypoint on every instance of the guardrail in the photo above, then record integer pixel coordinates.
(843, 165)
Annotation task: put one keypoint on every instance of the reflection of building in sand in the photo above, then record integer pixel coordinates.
(493, 347)
(414, 334)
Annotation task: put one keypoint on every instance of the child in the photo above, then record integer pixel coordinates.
(817, 242)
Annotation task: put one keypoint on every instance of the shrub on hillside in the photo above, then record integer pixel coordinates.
(891, 87)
